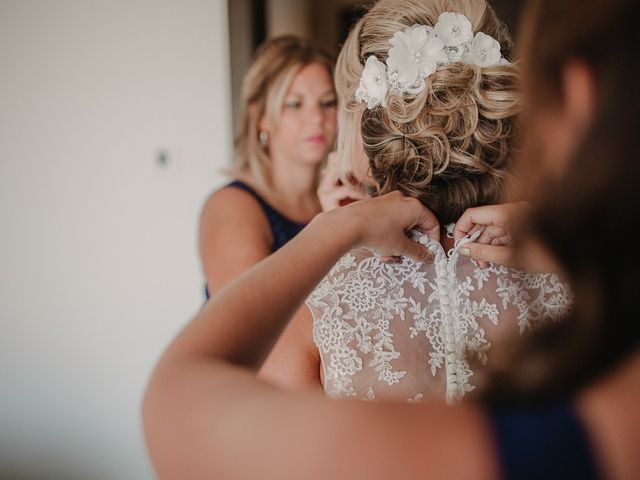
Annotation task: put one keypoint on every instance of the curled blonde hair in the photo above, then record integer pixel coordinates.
(450, 145)
(264, 88)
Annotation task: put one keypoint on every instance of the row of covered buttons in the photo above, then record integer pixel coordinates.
(444, 296)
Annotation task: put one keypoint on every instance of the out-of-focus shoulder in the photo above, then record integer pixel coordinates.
(229, 200)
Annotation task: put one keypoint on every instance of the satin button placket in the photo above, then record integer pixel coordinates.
(445, 282)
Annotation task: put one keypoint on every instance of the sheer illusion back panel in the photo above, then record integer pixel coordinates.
(412, 330)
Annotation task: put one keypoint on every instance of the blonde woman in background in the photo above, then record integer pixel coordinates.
(287, 127)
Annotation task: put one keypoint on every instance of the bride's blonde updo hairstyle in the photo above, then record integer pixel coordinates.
(451, 144)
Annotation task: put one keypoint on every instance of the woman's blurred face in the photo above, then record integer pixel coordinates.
(307, 128)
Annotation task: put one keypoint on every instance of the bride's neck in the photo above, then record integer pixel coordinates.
(446, 242)
(446, 238)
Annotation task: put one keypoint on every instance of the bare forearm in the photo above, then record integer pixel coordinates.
(243, 320)
(197, 395)
(198, 383)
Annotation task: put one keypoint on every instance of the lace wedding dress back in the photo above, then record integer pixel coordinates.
(412, 330)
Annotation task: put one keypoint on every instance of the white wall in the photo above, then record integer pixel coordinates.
(98, 260)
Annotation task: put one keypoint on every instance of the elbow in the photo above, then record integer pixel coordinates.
(148, 408)
(150, 418)
(173, 437)
(155, 415)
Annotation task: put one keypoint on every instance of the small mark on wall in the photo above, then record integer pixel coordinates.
(162, 158)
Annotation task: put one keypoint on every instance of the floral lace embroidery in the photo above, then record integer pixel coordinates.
(440, 313)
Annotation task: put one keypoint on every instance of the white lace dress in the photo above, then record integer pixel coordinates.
(408, 331)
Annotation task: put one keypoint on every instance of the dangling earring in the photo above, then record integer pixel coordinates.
(263, 136)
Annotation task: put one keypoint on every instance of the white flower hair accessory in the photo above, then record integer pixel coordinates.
(418, 50)
(485, 51)
(414, 55)
(454, 29)
(373, 84)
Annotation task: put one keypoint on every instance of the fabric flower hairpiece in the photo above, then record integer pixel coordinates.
(418, 50)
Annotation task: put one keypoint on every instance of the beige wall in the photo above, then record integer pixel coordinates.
(318, 19)
(241, 46)
(326, 22)
(289, 17)
(98, 246)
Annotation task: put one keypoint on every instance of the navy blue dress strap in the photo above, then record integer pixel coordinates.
(282, 228)
(547, 442)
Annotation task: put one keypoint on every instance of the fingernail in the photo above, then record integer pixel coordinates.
(465, 252)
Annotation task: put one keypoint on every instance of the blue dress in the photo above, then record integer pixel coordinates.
(282, 228)
(548, 442)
